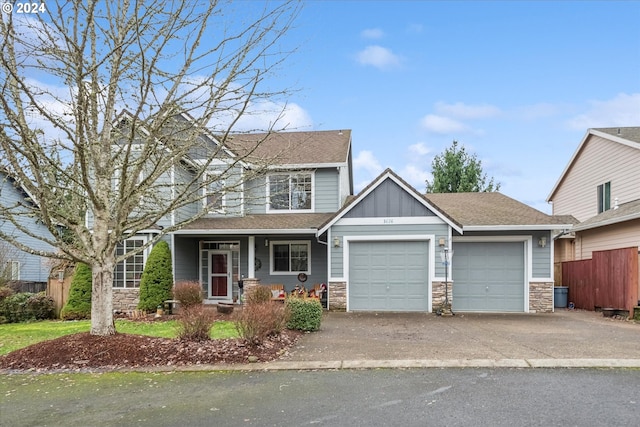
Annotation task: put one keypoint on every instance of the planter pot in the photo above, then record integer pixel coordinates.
(225, 308)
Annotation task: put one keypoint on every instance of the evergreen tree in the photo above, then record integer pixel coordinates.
(456, 171)
(79, 304)
(157, 278)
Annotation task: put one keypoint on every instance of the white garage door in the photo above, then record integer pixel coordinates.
(389, 276)
(488, 276)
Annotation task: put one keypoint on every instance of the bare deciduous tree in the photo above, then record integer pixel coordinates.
(183, 71)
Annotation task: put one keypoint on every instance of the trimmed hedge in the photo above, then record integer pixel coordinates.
(79, 304)
(304, 314)
(157, 278)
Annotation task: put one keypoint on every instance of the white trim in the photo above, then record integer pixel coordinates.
(409, 220)
(251, 257)
(430, 238)
(259, 231)
(538, 227)
(229, 254)
(528, 256)
(289, 242)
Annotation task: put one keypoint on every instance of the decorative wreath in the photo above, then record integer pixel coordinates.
(302, 277)
(258, 264)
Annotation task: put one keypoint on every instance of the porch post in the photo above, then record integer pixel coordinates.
(251, 253)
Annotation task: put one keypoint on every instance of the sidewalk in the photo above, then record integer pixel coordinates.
(409, 340)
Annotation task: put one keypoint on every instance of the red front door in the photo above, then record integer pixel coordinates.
(220, 267)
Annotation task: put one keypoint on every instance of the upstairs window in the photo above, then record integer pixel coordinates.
(12, 270)
(604, 197)
(129, 271)
(290, 192)
(214, 196)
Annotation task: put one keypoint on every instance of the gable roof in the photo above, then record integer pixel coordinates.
(388, 174)
(319, 148)
(494, 211)
(628, 136)
(624, 212)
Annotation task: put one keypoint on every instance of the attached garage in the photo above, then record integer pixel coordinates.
(389, 275)
(488, 277)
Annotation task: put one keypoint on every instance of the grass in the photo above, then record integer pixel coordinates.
(14, 336)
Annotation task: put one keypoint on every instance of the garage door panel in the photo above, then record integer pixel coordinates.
(488, 276)
(389, 276)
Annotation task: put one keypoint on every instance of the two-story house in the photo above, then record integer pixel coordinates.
(600, 187)
(387, 248)
(21, 266)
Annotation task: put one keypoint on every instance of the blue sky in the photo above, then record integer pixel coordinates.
(517, 83)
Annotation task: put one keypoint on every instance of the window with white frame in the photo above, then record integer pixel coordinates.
(12, 270)
(128, 272)
(604, 197)
(214, 195)
(290, 257)
(290, 191)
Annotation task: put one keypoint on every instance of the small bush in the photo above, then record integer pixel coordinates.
(41, 306)
(258, 294)
(78, 306)
(195, 323)
(5, 292)
(157, 278)
(14, 309)
(258, 321)
(304, 314)
(189, 293)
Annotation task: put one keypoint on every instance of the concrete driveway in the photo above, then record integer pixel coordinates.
(552, 337)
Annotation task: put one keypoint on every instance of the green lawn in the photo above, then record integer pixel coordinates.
(14, 336)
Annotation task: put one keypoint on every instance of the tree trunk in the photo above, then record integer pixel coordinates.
(102, 299)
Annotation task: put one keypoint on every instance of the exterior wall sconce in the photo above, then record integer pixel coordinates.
(60, 275)
(542, 242)
(441, 242)
(266, 242)
(336, 242)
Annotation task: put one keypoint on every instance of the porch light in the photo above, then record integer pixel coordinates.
(336, 242)
(266, 242)
(542, 242)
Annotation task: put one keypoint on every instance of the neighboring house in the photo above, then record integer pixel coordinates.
(600, 187)
(19, 266)
(379, 250)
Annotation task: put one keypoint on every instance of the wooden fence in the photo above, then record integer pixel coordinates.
(608, 280)
(59, 291)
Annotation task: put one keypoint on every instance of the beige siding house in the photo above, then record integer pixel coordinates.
(600, 188)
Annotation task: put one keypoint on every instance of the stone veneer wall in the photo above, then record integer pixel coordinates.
(540, 297)
(125, 299)
(437, 294)
(337, 296)
(249, 283)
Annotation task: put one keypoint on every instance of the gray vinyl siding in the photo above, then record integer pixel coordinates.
(337, 264)
(327, 188)
(33, 268)
(388, 200)
(540, 257)
(255, 199)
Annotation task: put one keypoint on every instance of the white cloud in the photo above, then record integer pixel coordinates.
(379, 57)
(365, 160)
(622, 110)
(416, 176)
(419, 149)
(263, 115)
(372, 33)
(442, 125)
(460, 110)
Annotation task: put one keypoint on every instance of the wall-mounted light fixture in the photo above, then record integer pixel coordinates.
(542, 242)
(61, 275)
(266, 242)
(336, 242)
(442, 241)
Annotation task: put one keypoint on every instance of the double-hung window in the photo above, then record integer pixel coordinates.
(290, 192)
(128, 272)
(290, 257)
(604, 197)
(214, 195)
(12, 270)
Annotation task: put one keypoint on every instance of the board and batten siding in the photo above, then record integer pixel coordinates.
(388, 200)
(615, 236)
(394, 231)
(599, 161)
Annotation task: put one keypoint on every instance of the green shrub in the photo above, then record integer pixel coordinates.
(79, 304)
(189, 293)
(13, 309)
(157, 278)
(257, 321)
(258, 294)
(304, 314)
(195, 323)
(41, 306)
